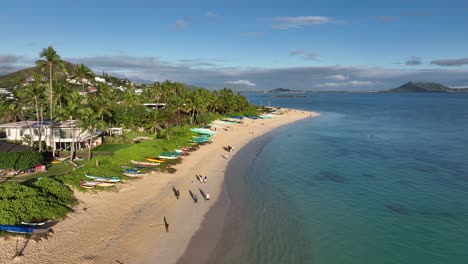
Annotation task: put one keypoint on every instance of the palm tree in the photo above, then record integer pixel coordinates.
(61, 91)
(74, 102)
(51, 59)
(34, 92)
(89, 121)
(82, 72)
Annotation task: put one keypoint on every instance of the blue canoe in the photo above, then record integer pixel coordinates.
(17, 229)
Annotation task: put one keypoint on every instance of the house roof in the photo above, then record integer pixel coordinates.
(45, 123)
(10, 147)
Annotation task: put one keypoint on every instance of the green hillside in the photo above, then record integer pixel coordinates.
(12, 79)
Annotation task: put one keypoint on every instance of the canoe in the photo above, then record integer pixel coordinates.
(168, 157)
(103, 179)
(105, 184)
(169, 153)
(56, 161)
(17, 229)
(88, 184)
(33, 224)
(134, 174)
(155, 160)
(131, 171)
(145, 164)
(203, 131)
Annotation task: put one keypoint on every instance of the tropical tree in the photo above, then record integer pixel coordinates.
(89, 121)
(82, 73)
(74, 102)
(61, 91)
(34, 92)
(51, 60)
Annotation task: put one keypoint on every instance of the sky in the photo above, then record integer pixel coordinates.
(247, 45)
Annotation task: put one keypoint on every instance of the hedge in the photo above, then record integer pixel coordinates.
(20, 160)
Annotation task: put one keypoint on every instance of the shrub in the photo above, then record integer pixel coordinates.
(20, 160)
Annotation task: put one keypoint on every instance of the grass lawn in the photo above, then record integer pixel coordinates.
(53, 170)
(111, 147)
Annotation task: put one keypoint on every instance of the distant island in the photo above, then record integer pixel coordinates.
(424, 87)
(283, 90)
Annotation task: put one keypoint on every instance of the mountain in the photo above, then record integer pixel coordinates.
(12, 79)
(283, 90)
(424, 87)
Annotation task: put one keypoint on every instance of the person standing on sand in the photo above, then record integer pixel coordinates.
(207, 196)
(166, 224)
(205, 179)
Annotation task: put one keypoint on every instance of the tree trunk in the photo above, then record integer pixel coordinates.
(40, 127)
(52, 140)
(72, 147)
(89, 149)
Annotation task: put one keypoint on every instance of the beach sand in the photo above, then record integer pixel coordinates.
(127, 225)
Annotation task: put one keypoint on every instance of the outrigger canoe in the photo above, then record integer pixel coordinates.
(144, 164)
(17, 229)
(103, 179)
(155, 160)
(88, 184)
(129, 174)
(104, 184)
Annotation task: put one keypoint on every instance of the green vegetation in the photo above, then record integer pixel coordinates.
(110, 147)
(20, 160)
(44, 199)
(97, 106)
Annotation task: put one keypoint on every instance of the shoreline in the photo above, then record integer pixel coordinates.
(126, 225)
(205, 246)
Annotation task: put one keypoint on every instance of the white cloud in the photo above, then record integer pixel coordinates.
(8, 58)
(210, 74)
(337, 77)
(181, 24)
(299, 21)
(241, 82)
(451, 62)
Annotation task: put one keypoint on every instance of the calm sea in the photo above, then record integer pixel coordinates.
(377, 178)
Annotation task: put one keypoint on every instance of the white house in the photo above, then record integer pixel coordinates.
(99, 79)
(63, 133)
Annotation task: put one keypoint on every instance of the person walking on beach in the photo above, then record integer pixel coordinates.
(205, 179)
(166, 224)
(207, 196)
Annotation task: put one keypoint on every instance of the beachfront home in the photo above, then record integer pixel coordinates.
(63, 133)
(155, 105)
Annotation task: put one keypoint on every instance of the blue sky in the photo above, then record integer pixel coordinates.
(314, 45)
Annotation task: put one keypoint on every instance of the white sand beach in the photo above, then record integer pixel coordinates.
(127, 225)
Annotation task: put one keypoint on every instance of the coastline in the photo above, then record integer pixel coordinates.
(126, 226)
(205, 246)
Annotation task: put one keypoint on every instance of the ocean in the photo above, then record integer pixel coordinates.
(376, 178)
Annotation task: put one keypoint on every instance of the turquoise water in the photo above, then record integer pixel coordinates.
(377, 178)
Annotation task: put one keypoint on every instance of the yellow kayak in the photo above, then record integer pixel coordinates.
(155, 160)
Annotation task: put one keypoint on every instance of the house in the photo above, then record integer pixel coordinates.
(155, 105)
(63, 133)
(99, 79)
